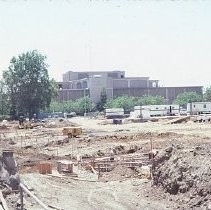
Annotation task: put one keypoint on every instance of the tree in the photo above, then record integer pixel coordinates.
(28, 84)
(4, 99)
(128, 102)
(56, 106)
(79, 106)
(187, 97)
(125, 102)
(82, 105)
(207, 94)
(151, 100)
(102, 103)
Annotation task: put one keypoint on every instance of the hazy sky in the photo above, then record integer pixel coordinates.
(166, 40)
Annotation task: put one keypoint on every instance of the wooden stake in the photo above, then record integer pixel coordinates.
(151, 144)
(33, 196)
(21, 197)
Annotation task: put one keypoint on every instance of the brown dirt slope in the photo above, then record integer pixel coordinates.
(184, 172)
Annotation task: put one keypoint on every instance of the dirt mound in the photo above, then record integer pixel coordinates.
(123, 150)
(119, 173)
(185, 173)
(169, 134)
(59, 123)
(128, 137)
(119, 150)
(3, 127)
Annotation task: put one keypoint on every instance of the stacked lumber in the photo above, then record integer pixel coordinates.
(179, 120)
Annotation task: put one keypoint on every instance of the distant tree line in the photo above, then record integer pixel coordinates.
(79, 106)
(128, 103)
(188, 97)
(85, 104)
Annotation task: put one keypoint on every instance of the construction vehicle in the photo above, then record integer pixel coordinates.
(24, 124)
(28, 125)
(72, 131)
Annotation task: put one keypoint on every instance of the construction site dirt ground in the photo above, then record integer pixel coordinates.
(178, 180)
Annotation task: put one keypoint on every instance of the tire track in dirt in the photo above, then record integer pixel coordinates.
(109, 199)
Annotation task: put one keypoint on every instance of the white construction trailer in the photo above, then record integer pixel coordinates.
(140, 113)
(199, 108)
(158, 110)
(114, 113)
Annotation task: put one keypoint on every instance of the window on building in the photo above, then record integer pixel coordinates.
(113, 75)
(205, 106)
(154, 84)
(83, 75)
(78, 85)
(60, 86)
(84, 84)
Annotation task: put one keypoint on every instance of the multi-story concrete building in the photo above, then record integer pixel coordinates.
(79, 84)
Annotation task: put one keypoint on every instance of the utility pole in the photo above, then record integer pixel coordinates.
(2, 108)
(85, 102)
(85, 108)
